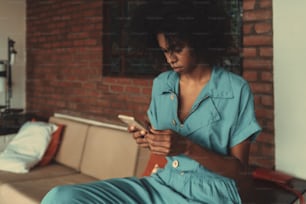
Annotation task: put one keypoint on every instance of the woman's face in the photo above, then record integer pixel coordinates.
(180, 58)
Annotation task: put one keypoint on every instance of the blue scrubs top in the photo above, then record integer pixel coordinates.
(221, 117)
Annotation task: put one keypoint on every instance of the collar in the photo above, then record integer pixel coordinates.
(219, 85)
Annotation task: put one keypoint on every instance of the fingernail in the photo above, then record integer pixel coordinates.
(142, 132)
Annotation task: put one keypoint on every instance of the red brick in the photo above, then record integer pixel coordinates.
(249, 4)
(257, 63)
(263, 88)
(133, 90)
(268, 125)
(257, 15)
(116, 88)
(139, 99)
(266, 51)
(249, 52)
(268, 150)
(257, 100)
(263, 27)
(267, 100)
(255, 149)
(103, 102)
(262, 161)
(265, 113)
(117, 80)
(143, 82)
(258, 40)
(267, 76)
(267, 138)
(248, 28)
(265, 3)
(118, 105)
(250, 75)
(147, 91)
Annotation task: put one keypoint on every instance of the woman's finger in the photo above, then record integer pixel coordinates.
(160, 132)
(158, 137)
(159, 150)
(141, 141)
(139, 134)
(159, 143)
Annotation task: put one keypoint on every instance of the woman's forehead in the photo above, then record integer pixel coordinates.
(170, 41)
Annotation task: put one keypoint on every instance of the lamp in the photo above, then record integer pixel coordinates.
(6, 77)
(3, 84)
(11, 60)
(2, 76)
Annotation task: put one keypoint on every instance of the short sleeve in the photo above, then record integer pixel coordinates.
(246, 125)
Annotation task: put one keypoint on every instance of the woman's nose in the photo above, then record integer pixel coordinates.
(171, 58)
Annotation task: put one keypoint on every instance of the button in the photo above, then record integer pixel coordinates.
(175, 164)
(182, 173)
(172, 97)
(173, 122)
(182, 125)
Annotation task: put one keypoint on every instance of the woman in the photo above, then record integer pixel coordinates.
(201, 117)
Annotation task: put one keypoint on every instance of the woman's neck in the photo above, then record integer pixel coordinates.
(200, 74)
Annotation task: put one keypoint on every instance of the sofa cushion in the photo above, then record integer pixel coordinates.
(109, 153)
(32, 192)
(50, 171)
(53, 146)
(72, 145)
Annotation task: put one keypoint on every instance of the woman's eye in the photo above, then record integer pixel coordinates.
(164, 50)
(177, 49)
(172, 50)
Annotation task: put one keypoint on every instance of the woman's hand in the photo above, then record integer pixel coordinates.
(139, 136)
(166, 142)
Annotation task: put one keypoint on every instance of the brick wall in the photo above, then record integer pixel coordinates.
(258, 70)
(64, 67)
(64, 64)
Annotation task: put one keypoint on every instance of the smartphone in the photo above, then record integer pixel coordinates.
(131, 121)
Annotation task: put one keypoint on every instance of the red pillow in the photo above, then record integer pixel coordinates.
(53, 146)
(154, 161)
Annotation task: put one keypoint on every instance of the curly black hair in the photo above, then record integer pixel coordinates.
(202, 25)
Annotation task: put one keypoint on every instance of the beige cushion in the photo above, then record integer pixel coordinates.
(32, 192)
(50, 171)
(109, 153)
(72, 145)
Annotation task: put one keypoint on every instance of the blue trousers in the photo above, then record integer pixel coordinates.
(161, 188)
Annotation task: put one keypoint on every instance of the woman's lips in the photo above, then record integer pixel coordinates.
(177, 68)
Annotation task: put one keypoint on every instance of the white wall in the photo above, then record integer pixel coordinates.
(289, 19)
(13, 25)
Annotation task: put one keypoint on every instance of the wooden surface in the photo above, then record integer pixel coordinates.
(270, 193)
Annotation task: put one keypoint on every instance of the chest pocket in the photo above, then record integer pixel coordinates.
(202, 116)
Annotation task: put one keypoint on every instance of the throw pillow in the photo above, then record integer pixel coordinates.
(27, 147)
(155, 161)
(53, 146)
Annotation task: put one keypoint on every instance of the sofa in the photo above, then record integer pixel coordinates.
(88, 151)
